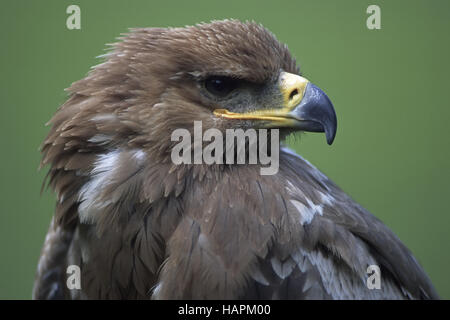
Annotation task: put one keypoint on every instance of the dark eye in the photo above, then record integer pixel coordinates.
(220, 86)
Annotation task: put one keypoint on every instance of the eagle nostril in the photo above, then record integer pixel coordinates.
(293, 94)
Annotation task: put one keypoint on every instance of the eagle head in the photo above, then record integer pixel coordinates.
(227, 74)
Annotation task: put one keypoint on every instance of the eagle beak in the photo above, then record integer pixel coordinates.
(310, 106)
(305, 107)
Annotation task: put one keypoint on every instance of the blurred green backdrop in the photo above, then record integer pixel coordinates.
(389, 87)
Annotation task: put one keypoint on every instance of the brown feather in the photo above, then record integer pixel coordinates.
(141, 227)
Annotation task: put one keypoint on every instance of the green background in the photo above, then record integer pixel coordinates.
(389, 87)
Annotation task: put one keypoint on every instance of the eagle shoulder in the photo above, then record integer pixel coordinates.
(340, 241)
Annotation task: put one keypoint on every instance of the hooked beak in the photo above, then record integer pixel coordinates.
(305, 107)
(315, 113)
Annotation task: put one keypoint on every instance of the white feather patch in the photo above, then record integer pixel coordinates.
(282, 269)
(104, 117)
(308, 211)
(100, 177)
(100, 138)
(157, 291)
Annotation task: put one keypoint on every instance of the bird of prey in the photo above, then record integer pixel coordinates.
(139, 226)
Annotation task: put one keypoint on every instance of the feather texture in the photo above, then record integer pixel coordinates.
(140, 227)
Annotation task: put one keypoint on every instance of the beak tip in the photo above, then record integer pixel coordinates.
(330, 138)
(330, 132)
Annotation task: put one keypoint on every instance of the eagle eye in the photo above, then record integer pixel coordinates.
(220, 86)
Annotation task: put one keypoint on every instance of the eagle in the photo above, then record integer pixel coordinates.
(139, 226)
